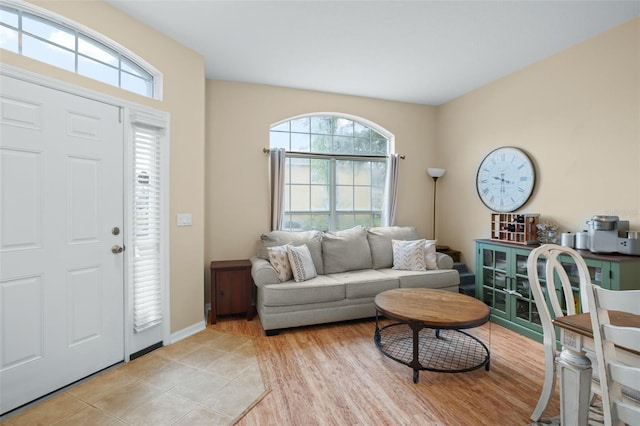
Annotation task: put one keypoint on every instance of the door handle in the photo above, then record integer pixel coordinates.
(117, 249)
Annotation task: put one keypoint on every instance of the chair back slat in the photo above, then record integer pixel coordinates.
(625, 337)
(619, 382)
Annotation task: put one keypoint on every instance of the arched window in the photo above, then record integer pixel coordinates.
(335, 171)
(44, 36)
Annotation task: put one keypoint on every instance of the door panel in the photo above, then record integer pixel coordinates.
(61, 287)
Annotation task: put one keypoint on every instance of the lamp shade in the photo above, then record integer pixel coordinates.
(435, 172)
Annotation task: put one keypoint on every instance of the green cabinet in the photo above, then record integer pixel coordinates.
(503, 284)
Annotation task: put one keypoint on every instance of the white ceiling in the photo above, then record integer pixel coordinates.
(426, 52)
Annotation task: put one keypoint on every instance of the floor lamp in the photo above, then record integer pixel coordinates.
(435, 173)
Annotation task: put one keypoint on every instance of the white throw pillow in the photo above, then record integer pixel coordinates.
(409, 255)
(301, 263)
(430, 257)
(279, 259)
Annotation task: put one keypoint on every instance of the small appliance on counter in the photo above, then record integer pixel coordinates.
(631, 244)
(609, 234)
(568, 239)
(582, 240)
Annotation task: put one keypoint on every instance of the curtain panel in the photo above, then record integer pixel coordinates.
(277, 158)
(391, 191)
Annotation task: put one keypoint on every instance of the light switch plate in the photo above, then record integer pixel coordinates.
(184, 219)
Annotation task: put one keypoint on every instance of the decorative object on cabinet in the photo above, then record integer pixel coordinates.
(547, 233)
(232, 289)
(502, 281)
(515, 228)
(435, 173)
(506, 178)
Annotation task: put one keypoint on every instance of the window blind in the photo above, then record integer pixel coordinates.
(147, 273)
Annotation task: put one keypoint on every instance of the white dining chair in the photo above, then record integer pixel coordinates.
(618, 381)
(547, 255)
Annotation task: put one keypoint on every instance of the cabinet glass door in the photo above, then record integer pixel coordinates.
(524, 305)
(598, 274)
(494, 280)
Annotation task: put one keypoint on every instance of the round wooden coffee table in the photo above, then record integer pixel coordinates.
(428, 333)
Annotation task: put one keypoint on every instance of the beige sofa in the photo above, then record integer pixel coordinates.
(353, 266)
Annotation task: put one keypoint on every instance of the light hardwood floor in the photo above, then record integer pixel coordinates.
(335, 375)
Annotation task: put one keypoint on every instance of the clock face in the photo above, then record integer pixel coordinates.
(505, 179)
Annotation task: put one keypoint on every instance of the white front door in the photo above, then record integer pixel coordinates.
(61, 195)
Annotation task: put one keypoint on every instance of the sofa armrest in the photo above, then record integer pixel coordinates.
(444, 261)
(262, 272)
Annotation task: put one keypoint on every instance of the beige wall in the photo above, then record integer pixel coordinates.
(238, 120)
(184, 87)
(576, 113)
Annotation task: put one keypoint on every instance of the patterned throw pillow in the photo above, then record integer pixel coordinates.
(280, 261)
(409, 255)
(430, 258)
(301, 263)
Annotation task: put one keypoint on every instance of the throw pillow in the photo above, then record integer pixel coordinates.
(301, 263)
(279, 259)
(380, 242)
(313, 240)
(430, 257)
(408, 255)
(346, 250)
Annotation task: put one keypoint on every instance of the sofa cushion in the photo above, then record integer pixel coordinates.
(316, 290)
(425, 279)
(409, 255)
(346, 250)
(365, 283)
(301, 263)
(380, 243)
(312, 239)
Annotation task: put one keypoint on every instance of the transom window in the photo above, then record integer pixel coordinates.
(62, 44)
(335, 172)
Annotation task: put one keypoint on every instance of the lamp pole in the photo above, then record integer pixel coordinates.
(435, 173)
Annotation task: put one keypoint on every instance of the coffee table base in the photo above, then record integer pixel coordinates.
(438, 350)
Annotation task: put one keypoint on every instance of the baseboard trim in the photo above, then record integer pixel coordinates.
(186, 332)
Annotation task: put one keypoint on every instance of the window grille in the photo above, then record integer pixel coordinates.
(335, 172)
(28, 31)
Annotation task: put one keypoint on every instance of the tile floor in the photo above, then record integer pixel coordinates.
(209, 378)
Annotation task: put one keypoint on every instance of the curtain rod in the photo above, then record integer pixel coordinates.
(267, 150)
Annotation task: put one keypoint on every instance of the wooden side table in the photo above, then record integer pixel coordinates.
(232, 289)
(455, 254)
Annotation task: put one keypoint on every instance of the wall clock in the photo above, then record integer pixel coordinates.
(506, 178)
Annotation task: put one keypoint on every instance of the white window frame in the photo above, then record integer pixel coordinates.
(158, 126)
(131, 113)
(156, 75)
(333, 157)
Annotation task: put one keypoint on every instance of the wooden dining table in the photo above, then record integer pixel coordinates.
(574, 367)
